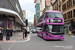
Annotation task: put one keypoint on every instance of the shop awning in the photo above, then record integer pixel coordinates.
(13, 13)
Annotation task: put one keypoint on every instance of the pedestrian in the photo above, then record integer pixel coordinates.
(8, 34)
(1, 34)
(11, 32)
(25, 33)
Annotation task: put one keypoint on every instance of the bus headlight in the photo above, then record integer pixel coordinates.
(51, 20)
(48, 35)
(47, 20)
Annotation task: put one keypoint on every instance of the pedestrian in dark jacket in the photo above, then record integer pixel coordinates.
(8, 34)
(25, 33)
(11, 32)
(1, 34)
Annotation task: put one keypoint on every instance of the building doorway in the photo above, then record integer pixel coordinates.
(1, 24)
(67, 28)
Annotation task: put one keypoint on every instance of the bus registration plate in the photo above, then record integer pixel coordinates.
(55, 38)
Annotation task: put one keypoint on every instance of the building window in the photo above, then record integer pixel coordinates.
(59, 1)
(69, 14)
(17, 7)
(38, 14)
(37, 7)
(69, 3)
(63, 0)
(55, 7)
(74, 2)
(64, 6)
(74, 13)
(64, 16)
(59, 8)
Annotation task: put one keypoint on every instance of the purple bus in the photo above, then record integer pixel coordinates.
(50, 25)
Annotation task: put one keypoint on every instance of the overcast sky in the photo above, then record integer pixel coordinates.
(29, 6)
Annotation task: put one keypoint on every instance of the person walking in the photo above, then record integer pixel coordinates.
(11, 32)
(1, 34)
(25, 33)
(8, 34)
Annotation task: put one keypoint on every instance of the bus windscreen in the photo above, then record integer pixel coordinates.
(56, 28)
(54, 15)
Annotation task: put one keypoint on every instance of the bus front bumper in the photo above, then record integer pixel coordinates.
(54, 38)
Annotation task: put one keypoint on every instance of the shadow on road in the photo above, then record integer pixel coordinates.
(53, 40)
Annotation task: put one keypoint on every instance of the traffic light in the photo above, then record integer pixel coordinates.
(26, 22)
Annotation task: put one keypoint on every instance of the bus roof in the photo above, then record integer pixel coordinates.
(51, 11)
(55, 11)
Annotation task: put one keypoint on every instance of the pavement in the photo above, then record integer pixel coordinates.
(17, 37)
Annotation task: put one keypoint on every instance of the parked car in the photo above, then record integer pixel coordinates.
(38, 29)
(28, 31)
(33, 30)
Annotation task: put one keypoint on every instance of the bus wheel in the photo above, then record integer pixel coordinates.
(42, 36)
(37, 35)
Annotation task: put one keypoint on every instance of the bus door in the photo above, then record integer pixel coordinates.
(45, 29)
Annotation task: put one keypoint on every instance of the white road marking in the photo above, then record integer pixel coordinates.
(11, 46)
(28, 39)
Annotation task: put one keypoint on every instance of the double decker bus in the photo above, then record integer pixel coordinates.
(50, 25)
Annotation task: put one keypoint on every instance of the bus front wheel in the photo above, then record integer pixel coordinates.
(37, 35)
(42, 36)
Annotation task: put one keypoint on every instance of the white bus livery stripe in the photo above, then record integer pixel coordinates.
(41, 22)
